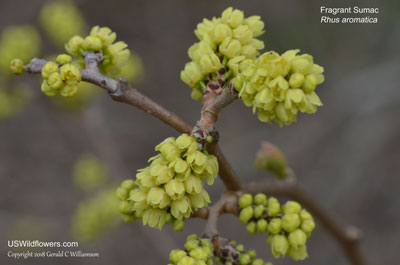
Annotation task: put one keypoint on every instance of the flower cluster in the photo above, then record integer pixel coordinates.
(288, 225)
(18, 42)
(96, 216)
(197, 251)
(279, 86)
(100, 40)
(61, 20)
(61, 77)
(222, 42)
(89, 172)
(235, 254)
(173, 183)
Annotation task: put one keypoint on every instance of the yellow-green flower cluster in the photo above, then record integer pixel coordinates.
(96, 216)
(235, 254)
(279, 86)
(61, 20)
(173, 182)
(197, 252)
(21, 42)
(61, 77)
(129, 214)
(100, 39)
(89, 172)
(288, 225)
(222, 41)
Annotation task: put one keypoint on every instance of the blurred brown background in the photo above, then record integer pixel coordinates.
(348, 153)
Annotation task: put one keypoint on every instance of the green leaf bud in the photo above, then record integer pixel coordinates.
(251, 227)
(291, 207)
(246, 214)
(245, 200)
(178, 225)
(297, 238)
(262, 226)
(274, 226)
(298, 254)
(17, 66)
(260, 199)
(259, 211)
(279, 246)
(176, 255)
(290, 222)
(49, 68)
(55, 81)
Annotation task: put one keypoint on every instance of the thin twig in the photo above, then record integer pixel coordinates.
(347, 237)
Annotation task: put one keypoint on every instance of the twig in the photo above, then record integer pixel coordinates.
(345, 236)
(121, 91)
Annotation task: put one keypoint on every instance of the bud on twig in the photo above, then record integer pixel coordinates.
(270, 158)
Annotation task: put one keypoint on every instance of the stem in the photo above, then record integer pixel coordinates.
(347, 237)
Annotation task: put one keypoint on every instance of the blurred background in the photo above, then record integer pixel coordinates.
(60, 159)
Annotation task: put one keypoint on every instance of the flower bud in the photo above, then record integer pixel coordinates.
(260, 199)
(192, 74)
(176, 255)
(271, 159)
(279, 246)
(74, 45)
(255, 25)
(178, 225)
(291, 207)
(92, 43)
(249, 51)
(48, 91)
(69, 90)
(243, 34)
(232, 17)
(245, 200)
(274, 226)
(297, 238)
(290, 222)
(259, 211)
(230, 47)
(186, 261)
(55, 80)
(304, 215)
(310, 83)
(210, 63)
(70, 72)
(122, 193)
(251, 227)
(244, 259)
(308, 226)
(246, 214)
(262, 225)
(233, 63)
(296, 80)
(298, 254)
(125, 207)
(105, 34)
(198, 254)
(274, 207)
(49, 68)
(221, 32)
(17, 66)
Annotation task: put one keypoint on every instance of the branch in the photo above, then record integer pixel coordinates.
(120, 91)
(347, 237)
